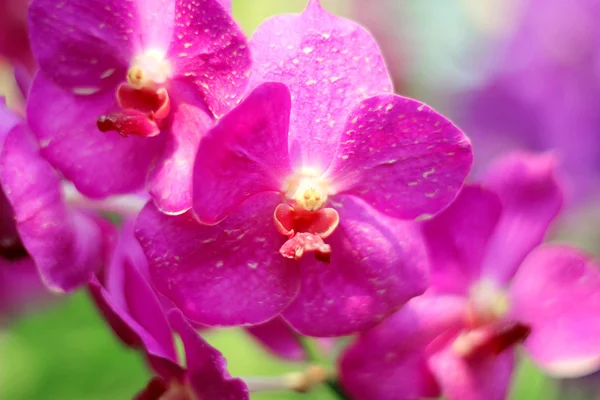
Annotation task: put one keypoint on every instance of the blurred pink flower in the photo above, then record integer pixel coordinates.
(493, 286)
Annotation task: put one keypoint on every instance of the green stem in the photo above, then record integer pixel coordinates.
(313, 356)
(310, 348)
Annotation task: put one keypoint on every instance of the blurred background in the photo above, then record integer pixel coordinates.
(511, 73)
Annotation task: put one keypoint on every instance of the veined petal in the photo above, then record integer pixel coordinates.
(210, 50)
(170, 177)
(401, 157)
(66, 245)
(206, 367)
(229, 274)
(84, 44)
(377, 265)
(246, 153)
(531, 197)
(389, 362)
(484, 378)
(457, 239)
(557, 292)
(329, 64)
(98, 163)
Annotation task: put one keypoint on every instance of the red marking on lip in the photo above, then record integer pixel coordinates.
(142, 111)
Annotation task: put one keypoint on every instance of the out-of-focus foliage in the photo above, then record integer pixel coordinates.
(68, 353)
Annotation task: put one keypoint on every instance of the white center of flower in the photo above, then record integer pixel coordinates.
(488, 302)
(149, 69)
(307, 189)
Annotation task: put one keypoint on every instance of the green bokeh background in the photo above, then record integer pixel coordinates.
(66, 352)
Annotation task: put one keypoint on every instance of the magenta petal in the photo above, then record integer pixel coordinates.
(126, 283)
(132, 333)
(245, 154)
(329, 64)
(98, 163)
(401, 157)
(389, 362)
(131, 307)
(557, 292)
(170, 178)
(279, 337)
(8, 118)
(14, 41)
(211, 51)
(457, 239)
(226, 4)
(23, 79)
(486, 378)
(20, 287)
(229, 274)
(531, 197)
(206, 367)
(154, 390)
(125, 325)
(67, 246)
(377, 264)
(78, 42)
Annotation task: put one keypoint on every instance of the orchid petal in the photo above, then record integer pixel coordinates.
(206, 367)
(210, 51)
(244, 154)
(377, 265)
(531, 197)
(389, 362)
(170, 177)
(99, 164)
(401, 157)
(557, 292)
(66, 245)
(229, 274)
(329, 64)
(278, 337)
(457, 239)
(83, 44)
(485, 378)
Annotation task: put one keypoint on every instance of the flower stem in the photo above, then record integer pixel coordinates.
(313, 356)
(301, 382)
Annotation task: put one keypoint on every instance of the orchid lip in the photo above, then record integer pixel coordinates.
(142, 111)
(304, 219)
(143, 100)
(491, 340)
